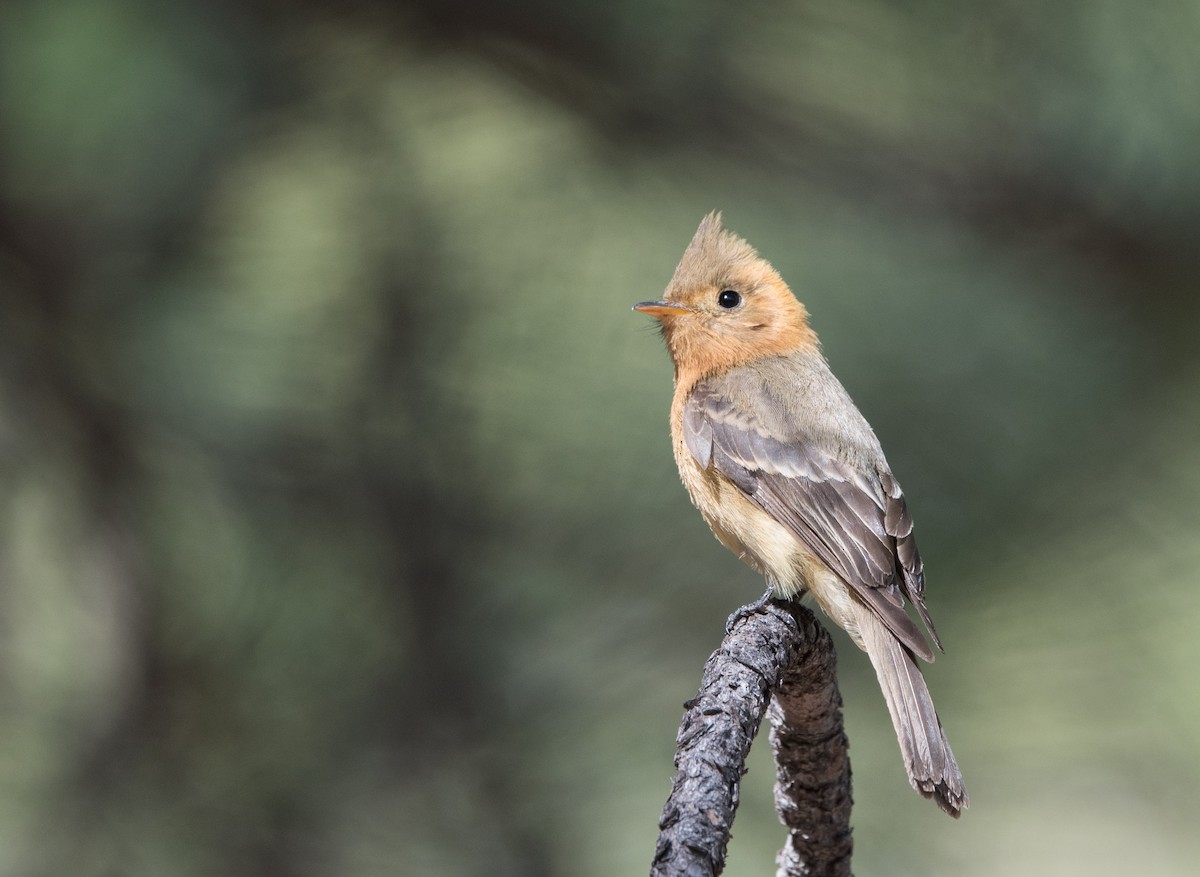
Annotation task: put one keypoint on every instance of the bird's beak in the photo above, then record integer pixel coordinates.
(661, 309)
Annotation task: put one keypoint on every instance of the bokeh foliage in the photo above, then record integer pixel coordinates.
(339, 532)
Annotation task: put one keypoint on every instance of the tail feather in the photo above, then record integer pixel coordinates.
(931, 767)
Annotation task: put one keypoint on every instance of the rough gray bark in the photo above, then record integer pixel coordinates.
(781, 656)
(812, 760)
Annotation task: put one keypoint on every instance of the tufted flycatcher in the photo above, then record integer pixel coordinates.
(791, 478)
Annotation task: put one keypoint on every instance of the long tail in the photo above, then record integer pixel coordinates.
(931, 767)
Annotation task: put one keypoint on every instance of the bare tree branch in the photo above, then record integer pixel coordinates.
(812, 760)
(778, 655)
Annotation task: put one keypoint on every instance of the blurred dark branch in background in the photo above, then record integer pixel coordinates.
(694, 99)
(383, 471)
(782, 658)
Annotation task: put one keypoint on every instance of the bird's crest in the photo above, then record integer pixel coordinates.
(713, 254)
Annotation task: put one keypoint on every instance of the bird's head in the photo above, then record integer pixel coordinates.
(726, 305)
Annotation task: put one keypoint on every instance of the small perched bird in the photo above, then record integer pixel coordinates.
(791, 478)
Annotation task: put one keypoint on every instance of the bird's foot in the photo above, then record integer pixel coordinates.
(750, 609)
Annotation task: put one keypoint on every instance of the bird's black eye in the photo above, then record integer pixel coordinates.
(729, 299)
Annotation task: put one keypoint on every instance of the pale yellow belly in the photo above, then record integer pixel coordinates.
(767, 545)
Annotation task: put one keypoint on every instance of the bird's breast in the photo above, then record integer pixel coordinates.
(759, 540)
(740, 525)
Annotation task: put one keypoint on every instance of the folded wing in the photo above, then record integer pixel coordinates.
(854, 519)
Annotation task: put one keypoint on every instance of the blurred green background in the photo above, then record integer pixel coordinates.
(339, 529)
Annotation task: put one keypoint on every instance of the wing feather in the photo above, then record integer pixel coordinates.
(856, 522)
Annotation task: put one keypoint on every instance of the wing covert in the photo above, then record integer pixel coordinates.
(854, 521)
